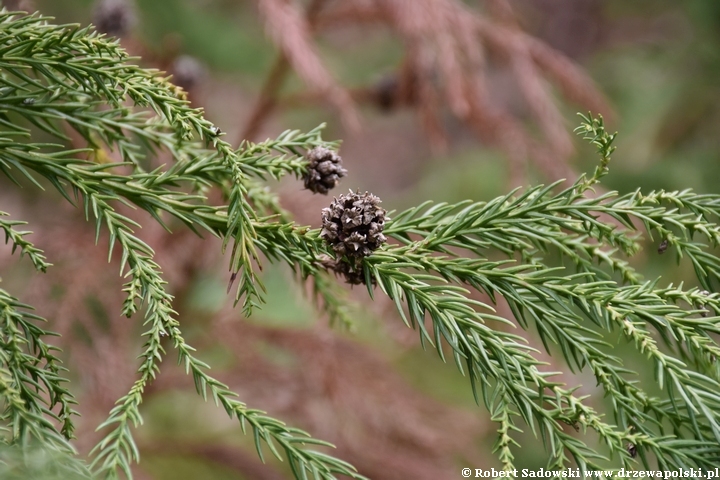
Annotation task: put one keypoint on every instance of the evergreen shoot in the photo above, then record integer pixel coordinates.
(557, 256)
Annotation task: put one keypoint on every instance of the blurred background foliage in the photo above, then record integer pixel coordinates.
(393, 410)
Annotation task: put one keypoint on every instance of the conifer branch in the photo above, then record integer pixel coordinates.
(69, 77)
(16, 238)
(77, 72)
(31, 381)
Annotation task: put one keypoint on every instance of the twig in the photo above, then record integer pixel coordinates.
(267, 100)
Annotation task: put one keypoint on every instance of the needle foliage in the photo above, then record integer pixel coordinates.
(557, 256)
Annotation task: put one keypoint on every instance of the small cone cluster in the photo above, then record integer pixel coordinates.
(114, 17)
(352, 225)
(324, 171)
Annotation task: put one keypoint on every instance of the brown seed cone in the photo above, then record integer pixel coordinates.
(324, 171)
(353, 224)
(114, 17)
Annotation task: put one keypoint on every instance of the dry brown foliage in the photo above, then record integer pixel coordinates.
(455, 56)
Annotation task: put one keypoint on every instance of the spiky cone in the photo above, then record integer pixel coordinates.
(352, 225)
(324, 170)
(114, 17)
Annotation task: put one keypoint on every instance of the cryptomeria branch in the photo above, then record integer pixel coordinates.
(17, 239)
(67, 77)
(31, 381)
(65, 74)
